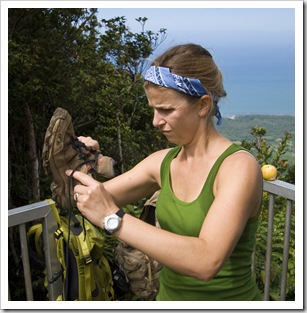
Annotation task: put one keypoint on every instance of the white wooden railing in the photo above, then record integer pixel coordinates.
(18, 217)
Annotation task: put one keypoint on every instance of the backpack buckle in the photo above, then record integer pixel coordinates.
(88, 260)
(58, 233)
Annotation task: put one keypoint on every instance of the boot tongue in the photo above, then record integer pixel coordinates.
(105, 166)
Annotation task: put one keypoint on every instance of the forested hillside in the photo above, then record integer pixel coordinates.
(238, 128)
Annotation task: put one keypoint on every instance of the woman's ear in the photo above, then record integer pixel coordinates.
(205, 105)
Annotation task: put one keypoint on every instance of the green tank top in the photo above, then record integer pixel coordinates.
(234, 281)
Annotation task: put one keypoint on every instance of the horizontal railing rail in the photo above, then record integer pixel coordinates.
(280, 188)
(42, 210)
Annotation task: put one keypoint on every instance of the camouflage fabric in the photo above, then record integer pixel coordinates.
(141, 271)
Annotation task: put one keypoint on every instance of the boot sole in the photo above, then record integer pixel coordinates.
(53, 138)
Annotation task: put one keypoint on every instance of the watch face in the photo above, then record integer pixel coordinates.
(112, 223)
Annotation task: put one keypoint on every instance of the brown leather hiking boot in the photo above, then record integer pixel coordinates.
(62, 151)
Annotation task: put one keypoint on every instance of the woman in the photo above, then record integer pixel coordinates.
(211, 189)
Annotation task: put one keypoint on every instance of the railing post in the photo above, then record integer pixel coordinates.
(53, 266)
(285, 258)
(25, 261)
(269, 248)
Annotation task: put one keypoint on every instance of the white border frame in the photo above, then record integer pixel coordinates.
(299, 116)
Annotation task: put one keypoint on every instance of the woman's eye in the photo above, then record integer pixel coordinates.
(165, 111)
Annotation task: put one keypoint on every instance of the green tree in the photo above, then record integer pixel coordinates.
(130, 114)
(44, 45)
(58, 57)
(266, 154)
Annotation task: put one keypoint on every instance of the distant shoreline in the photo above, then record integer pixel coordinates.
(228, 115)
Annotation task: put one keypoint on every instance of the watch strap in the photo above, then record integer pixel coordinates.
(120, 213)
(107, 232)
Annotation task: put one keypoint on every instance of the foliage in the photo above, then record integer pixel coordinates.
(266, 154)
(277, 250)
(62, 58)
(127, 104)
(45, 46)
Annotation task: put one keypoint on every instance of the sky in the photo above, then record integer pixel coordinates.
(253, 47)
(221, 27)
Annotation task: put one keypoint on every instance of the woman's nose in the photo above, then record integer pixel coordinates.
(157, 120)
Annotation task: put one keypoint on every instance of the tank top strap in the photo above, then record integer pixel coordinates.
(164, 170)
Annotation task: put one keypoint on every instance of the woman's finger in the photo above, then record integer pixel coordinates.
(89, 141)
(83, 178)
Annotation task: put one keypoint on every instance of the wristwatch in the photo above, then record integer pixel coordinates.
(113, 222)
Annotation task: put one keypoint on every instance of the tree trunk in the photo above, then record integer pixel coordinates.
(119, 142)
(9, 182)
(34, 164)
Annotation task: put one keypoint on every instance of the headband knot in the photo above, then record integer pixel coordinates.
(162, 76)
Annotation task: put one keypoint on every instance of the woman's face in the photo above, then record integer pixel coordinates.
(176, 117)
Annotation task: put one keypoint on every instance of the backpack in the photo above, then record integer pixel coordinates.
(86, 273)
(141, 272)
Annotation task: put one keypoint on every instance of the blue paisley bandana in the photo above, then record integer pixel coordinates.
(191, 86)
(163, 77)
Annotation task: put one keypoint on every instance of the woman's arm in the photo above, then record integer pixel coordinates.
(139, 182)
(237, 192)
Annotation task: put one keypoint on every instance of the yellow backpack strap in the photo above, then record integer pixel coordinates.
(84, 247)
(37, 231)
(109, 289)
(59, 238)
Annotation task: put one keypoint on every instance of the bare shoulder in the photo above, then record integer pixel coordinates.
(239, 177)
(239, 171)
(149, 168)
(152, 163)
(241, 160)
(159, 155)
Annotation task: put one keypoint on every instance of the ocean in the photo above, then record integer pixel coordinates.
(254, 49)
(246, 97)
(259, 82)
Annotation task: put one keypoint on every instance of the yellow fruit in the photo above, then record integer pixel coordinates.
(269, 172)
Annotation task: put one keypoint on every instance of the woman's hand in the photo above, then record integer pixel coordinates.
(107, 169)
(90, 142)
(93, 200)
